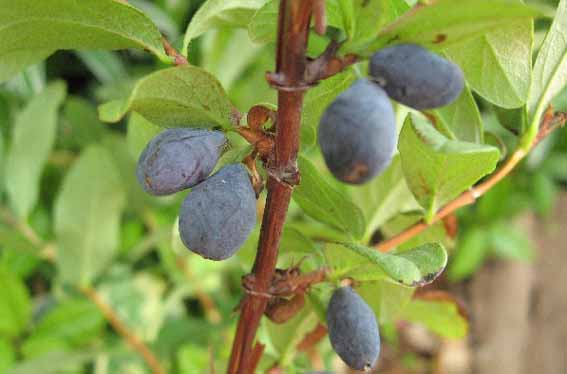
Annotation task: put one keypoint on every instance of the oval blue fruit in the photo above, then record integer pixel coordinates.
(353, 330)
(416, 77)
(357, 133)
(218, 214)
(177, 159)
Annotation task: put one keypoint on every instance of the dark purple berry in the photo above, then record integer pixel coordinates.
(178, 159)
(218, 214)
(416, 77)
(357, 133)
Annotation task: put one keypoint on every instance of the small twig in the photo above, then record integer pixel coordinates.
(328, 64)
(549, 123)
(178, 58)
(135, 342)
(262, 141)
(312, 338)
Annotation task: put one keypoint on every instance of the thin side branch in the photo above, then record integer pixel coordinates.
(328, 63)
(550, 122)
(178, 58)
(135, 342)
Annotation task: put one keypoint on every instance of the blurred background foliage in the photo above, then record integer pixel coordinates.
(70, 208)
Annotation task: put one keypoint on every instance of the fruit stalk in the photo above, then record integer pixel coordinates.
(293, 31)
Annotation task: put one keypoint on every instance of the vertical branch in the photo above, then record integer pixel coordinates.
(293, 31)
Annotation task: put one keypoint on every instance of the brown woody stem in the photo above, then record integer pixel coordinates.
(178, 58)
(293, 23)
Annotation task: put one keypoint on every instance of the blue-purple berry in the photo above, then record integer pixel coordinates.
(416, 77)
(177, 159)
(357, 133)
(218, 215)
(353, 329)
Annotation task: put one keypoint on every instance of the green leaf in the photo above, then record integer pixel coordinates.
(437, 169)
(498, 64)
(80, 125)
(33, 348)
(367, 17)
(15, 304)
(137, 299)
(470, 254)
(440, 316)
(515, 120)
(322, 202)
(163, 14)
(233, 155)
(383, 197)
(87, 214)
(125, 165)
(106, 66)
(285, 337)
(293, 246)
(73, 321)
(508, 242)
(263, 26)
(446, 22)
(461, 119)
(550, 69)
(320, 97)
(33, 137)
(226, 53)
(140, 132)
(29, 82)
(385, 298)
(498, 142)
(18, 254)
(413, 268)
(434, 233)
(215, 13)
(2, 161)
(120, 361)
(54, 362)
(31, 30)
(7, 355)
(174, 97)
(192, 358)
(14, 62)
(346, 8)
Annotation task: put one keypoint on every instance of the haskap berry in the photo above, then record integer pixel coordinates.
(177, 159)
(218, 214)
(357, 133)
(416, 77)
(353, 330)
